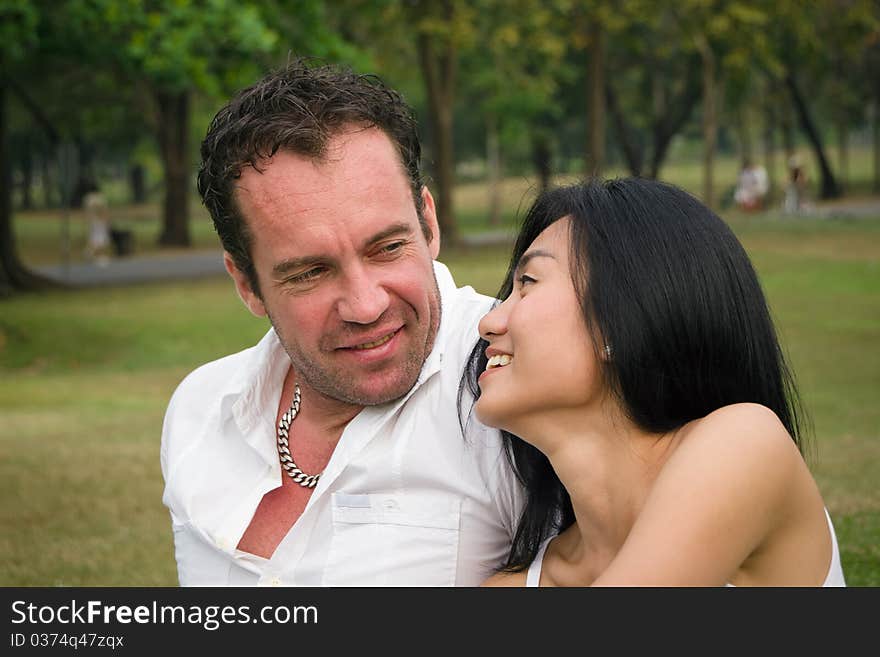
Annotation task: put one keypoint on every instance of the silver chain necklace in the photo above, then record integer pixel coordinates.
(300, 477)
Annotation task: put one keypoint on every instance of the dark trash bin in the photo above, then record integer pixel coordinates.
(123, 241)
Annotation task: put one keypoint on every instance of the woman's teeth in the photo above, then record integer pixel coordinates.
(499, 360)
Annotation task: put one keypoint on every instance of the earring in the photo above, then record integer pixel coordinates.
(607, 351)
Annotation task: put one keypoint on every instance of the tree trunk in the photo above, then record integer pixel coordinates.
(632, 152)
(744, 129)
(710, 123)
(595, 159)
(675, 116)
(86, 178)
(542, 157)
(769, 145)
(46, 182)
(493, 163)
(828, 187)
(787, 132)
(13, 275)
(137, 182)
(843, 153)
(27, 176)
(438, 73)
(174, 147)
(876, 131)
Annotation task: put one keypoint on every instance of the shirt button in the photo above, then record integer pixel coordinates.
(391, 505)
(275, 582)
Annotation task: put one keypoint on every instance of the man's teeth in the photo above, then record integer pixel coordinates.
(373, 345)
(499, 360)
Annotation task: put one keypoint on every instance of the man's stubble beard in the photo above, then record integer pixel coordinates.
(337, 384)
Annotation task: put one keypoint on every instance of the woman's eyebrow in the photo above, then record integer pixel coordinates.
(527, 257)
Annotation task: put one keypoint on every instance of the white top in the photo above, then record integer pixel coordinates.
(406, 499)
(833, 578)
(96, 207)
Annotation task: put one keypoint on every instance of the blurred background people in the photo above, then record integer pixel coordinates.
(796, 187)
(98, 244)
(751, 187)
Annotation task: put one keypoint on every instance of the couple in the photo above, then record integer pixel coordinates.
(631, 366)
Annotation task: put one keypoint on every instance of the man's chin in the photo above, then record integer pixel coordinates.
(374, 395)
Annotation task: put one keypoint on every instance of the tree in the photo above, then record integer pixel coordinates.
(649, 104)
(594, 26)
(512, 79)
(174, 49)
(872, 67)
(803, 36)
(730, 37)
(441, 28)
(18, 39)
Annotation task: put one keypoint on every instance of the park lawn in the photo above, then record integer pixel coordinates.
(85, 376)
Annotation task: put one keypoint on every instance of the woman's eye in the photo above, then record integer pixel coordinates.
(525, 278)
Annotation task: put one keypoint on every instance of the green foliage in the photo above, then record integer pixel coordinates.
(178, 45)
(514, 71)
(18, 30)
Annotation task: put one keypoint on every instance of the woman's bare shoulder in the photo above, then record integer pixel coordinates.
(745, 430)
(739, 452)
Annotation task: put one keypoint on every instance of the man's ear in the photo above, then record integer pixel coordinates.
(243, 286)
(429, 212)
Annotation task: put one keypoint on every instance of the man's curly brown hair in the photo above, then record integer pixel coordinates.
(299, 108)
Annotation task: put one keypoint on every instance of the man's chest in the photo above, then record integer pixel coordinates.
(277, 512)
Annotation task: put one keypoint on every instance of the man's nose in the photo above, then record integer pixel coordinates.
(363, 298)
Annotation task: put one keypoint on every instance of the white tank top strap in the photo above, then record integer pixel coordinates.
(835, 571)
(533, 576)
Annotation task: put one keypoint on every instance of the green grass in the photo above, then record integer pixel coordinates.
(85, 379)
(85, 376)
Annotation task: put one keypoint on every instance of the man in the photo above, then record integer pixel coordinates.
(331, 453)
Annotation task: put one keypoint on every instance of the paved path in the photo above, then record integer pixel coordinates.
(138, 269)
(172, 266)
(847, 209)
(194, 264)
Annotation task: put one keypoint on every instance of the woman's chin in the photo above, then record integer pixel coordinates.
(489, 416)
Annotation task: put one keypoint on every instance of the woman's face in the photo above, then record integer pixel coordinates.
(541, 357)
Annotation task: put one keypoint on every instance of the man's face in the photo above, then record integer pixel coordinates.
(344, 268)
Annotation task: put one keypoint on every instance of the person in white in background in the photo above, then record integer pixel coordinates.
(751, 187)
(332, 453)
(98, 240)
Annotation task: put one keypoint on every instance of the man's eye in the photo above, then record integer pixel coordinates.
(391, 249)
(306, 276)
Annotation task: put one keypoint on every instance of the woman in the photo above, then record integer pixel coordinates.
(636, 373)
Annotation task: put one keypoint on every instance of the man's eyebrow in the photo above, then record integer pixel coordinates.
(303, 262)
(394, 230)
(292, 264)
(527, 257)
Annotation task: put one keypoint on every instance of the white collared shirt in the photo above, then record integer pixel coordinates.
(405, 499)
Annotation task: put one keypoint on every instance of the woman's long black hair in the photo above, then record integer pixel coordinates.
(670, 289)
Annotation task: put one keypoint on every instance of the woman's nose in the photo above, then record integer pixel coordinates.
(494, 322)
